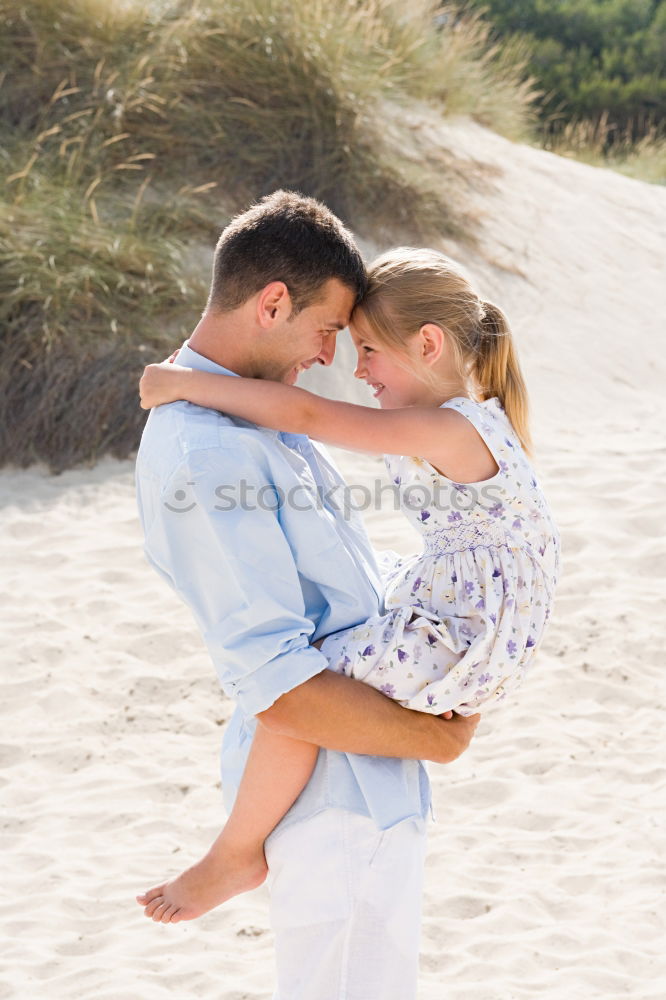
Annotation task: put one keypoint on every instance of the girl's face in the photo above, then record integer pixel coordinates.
(392, 384)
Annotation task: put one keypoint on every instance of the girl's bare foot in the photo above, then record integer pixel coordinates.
(221, 874)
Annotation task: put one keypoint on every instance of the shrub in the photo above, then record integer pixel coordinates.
(592, 59)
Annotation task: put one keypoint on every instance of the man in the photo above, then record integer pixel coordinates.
(243, 523)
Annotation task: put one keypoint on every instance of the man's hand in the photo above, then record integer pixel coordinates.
(459, 732)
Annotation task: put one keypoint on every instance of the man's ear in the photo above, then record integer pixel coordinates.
(273, 303)
(433, 340)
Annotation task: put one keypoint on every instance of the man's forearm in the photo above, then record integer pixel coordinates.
(341, 713)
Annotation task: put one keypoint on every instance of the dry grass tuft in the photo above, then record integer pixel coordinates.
(602, 145)
(82, 305)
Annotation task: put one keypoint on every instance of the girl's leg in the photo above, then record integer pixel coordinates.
(277, 770)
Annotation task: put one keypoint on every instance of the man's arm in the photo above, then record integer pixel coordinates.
(216, 537)
(341, 713)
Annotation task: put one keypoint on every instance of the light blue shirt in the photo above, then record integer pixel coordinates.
(249, 527)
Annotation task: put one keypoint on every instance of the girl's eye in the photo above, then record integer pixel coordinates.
(366, 348)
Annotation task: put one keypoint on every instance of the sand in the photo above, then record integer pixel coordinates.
(545, 874)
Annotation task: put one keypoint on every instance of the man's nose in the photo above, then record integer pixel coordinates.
(327, 352)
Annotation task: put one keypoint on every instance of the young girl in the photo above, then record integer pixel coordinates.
(464, 617)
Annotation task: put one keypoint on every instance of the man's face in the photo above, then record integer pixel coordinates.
(309, 337)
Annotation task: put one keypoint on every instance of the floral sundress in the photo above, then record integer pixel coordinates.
(464, 618)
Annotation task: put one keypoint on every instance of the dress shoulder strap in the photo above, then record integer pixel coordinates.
(489, 420)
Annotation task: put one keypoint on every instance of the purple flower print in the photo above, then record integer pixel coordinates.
(344, 664)
(503, 466)
(397, 480)
(518, 524)
(511, 647)
(484, 679)
(402, 656)
(454, 517)
(480, 604)
(431, 700)
(424, 515)
(510, 443)
(493, 618)
(388, 690)
(368, 651)
(496, 572)
(469, 587)
(497, 510)
(432, 639)
(417, 583)
(530, 642)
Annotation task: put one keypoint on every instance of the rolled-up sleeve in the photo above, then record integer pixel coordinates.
(216, 536)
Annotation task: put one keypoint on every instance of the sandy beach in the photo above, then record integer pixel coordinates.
(545, 874)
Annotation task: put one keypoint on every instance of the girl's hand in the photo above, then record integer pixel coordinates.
(446, 715)
(161, 383)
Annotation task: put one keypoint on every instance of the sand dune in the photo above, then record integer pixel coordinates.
(545, 874)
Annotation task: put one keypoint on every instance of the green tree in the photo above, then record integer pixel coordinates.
(592, 58)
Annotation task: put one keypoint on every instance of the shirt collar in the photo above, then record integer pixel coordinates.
(190, 358)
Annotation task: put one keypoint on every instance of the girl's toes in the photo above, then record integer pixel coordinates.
(167, 916)
(147, 897)
(152, 906)
(159, 910)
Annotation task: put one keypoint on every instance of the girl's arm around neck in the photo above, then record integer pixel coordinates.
(423, 431)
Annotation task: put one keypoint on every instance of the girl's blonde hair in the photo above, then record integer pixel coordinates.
(409, 287)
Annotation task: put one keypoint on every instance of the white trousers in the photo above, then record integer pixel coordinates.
(345, 905)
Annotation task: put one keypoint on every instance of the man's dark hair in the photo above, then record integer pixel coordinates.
(284, 237)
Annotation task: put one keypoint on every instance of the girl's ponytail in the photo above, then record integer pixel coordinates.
(497, 371)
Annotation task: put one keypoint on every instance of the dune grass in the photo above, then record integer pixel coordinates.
(129, 130)
(82, 309)
(247, 95)
(602, 145)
